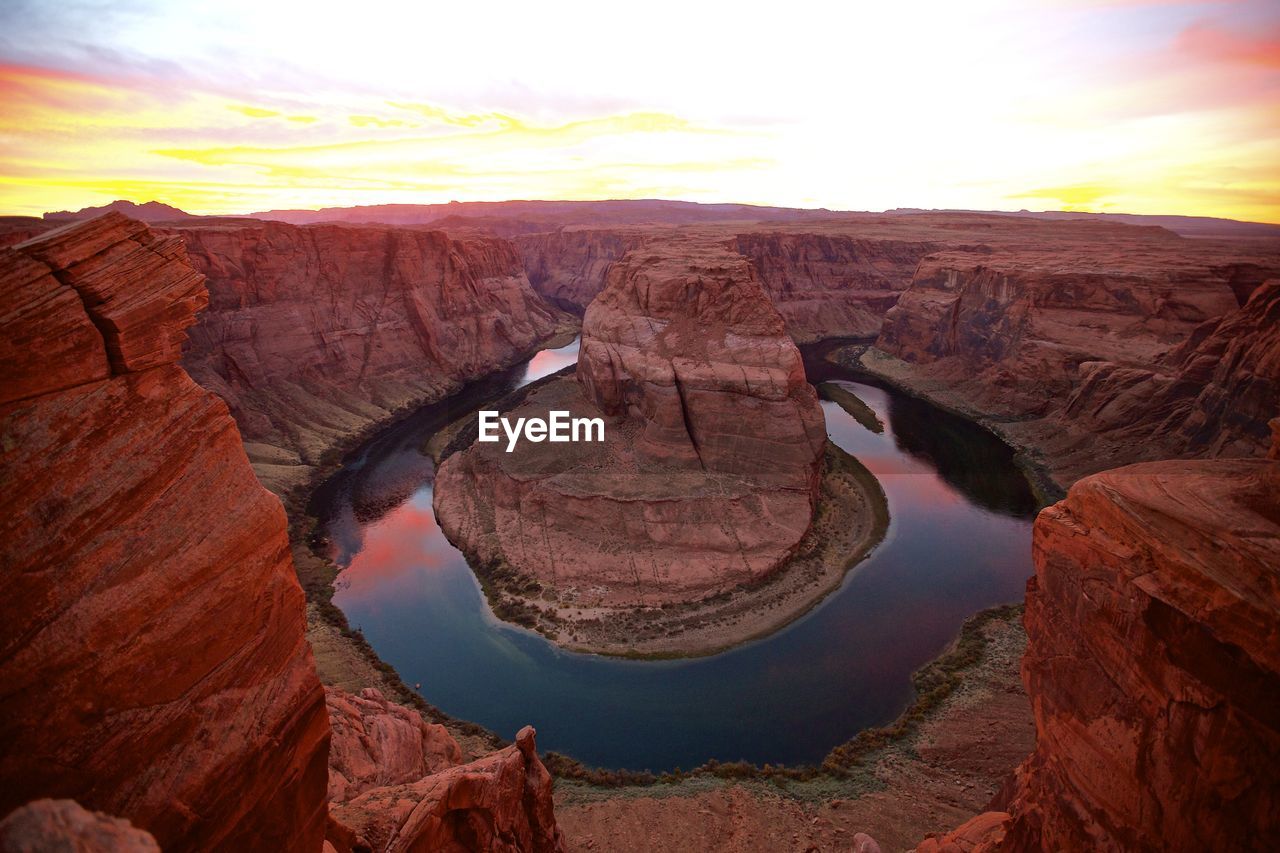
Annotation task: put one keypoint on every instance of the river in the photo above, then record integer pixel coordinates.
(959, 541)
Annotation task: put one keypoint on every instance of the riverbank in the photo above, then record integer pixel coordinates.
(897, 373)
(940, 763)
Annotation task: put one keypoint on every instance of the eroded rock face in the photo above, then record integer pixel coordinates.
(153, 663)
(710, 466)
(832, 285)
(378, 743)
(1154, 663)
(1095, 362)
(501, 802)
(568, 266)
(314, 333)
(63, 825)
(1211, 396)
(684, 341)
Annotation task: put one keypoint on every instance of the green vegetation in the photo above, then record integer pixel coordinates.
(852, 403)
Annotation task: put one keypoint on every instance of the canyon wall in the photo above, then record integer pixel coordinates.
(153, 663)
(1212, 395)
(684, 340)
(830, 284)
(1091, 362)
(1153, 665)
(315, 333)
(568, 266)
(825, 283)
(709, 470)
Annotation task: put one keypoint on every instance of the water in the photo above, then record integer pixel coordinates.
(959, 541)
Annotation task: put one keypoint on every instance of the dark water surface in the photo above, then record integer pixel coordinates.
(959, 541)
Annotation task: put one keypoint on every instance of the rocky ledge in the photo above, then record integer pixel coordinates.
(1153, 666)
(709, 474)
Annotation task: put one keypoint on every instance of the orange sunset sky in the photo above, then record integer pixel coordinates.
(1145, 106)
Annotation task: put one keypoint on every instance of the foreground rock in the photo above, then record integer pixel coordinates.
(63, 825)
(711, 463)
(152, 657)
(378, 743)
(1153, 664)
(501, 802)
(315, 333)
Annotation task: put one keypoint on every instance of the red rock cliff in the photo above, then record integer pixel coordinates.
(152, 658)
(1211, 396)
(684, 338)
(1153, 665)
(314, 333)
(568, 266)
(1091, 360)
(832, 285)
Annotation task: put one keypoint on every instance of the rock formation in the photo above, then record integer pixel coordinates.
(152, 657)
(568, 266)
(315, 333)
(64, 826)
(378, 743)
(1153, 665)
(1091, 362)
(399, 784)
(830, 284)
(1212, 395)
(710, 466)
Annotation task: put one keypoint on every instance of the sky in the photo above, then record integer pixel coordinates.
(1142, 106)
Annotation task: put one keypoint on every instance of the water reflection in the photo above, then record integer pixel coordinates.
(959, 541)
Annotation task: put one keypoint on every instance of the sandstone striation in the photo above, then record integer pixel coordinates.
(315, 333)
(711, 462)
(568, 266)
(1089, 363)
(829, 285)
(152, 657)
(1153, 665)
(1210, 396)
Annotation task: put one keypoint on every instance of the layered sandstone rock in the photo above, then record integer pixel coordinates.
(1153, 664)
(152, 657)
(501, 802)
(1212, 395)
(830, 284)
(568, 266)
(64, 826)
(824, 283)
(314, 333)
(1090, 362)
(684, 341)
(710, 466)
(378, 743)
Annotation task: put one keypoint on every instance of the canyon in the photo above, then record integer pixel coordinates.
(314, 334)
(143, 542)
(154, 657)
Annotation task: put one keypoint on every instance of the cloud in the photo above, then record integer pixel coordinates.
(1205, 41)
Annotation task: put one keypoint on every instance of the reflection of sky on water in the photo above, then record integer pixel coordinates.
(788, 697)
